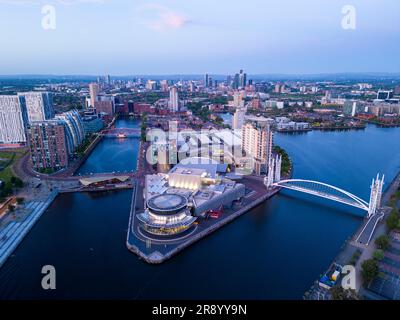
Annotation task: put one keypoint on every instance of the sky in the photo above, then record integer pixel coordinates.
(128, 37)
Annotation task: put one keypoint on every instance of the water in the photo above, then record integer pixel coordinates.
(112, 154)
(275, 251)
(227, 117)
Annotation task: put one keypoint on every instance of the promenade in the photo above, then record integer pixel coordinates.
(15, 231)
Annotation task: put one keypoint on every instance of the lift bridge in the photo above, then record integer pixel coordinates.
(323, 190)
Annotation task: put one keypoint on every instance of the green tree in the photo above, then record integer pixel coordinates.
(392, 221)
(379, 255)
(20, 200)
(18, 183)
(369, 270)
(382, 242)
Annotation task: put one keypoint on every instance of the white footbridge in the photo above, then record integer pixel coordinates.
(323, 190)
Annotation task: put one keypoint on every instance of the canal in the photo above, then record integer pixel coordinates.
(275, 251)
(113, 154)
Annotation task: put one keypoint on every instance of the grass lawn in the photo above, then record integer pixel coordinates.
(7, 159)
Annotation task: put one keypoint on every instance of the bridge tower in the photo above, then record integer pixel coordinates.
(274, 171)
(278, 167)
(376, 195)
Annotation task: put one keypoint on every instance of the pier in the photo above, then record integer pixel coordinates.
(156, 252)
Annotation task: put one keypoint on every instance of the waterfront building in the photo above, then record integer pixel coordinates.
(352, 107)
(48, 145)
(166, 215)
(92, 124)
(173, 99)
(52, 142)
(380, 109)
(190, 189)
(94, 90)
(75, 132)
(13, 120)
(257, 141)
(39, 105)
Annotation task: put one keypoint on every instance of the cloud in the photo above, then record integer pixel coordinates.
(160, 18)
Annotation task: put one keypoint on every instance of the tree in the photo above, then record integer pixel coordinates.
(11, 208)
(379, 255)
(18, 183)
(338, 293)
(382, 242)
(20, 200)
(392, 220)
(369, 270)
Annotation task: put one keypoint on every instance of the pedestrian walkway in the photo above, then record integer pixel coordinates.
(13, 233)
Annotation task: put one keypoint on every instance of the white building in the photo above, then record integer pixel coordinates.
(173, 99)
(94, 90)
(257, 141)
(13, 119)
(238, 119)
(39, 105)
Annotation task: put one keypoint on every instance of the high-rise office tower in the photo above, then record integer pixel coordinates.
(173, 99)
(207, 80)
(39, 105)
(236, 81)
(257, 140)
(94, 90)
(242, 79)
(13, 119)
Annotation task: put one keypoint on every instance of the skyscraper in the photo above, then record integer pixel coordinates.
(242, 79)
(207, 80)
(173, 99)
(94, 90)
(236, 81)
(257, 140)
(13, 119)
(39, 105)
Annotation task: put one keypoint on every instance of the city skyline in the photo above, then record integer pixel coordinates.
(146, 38)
